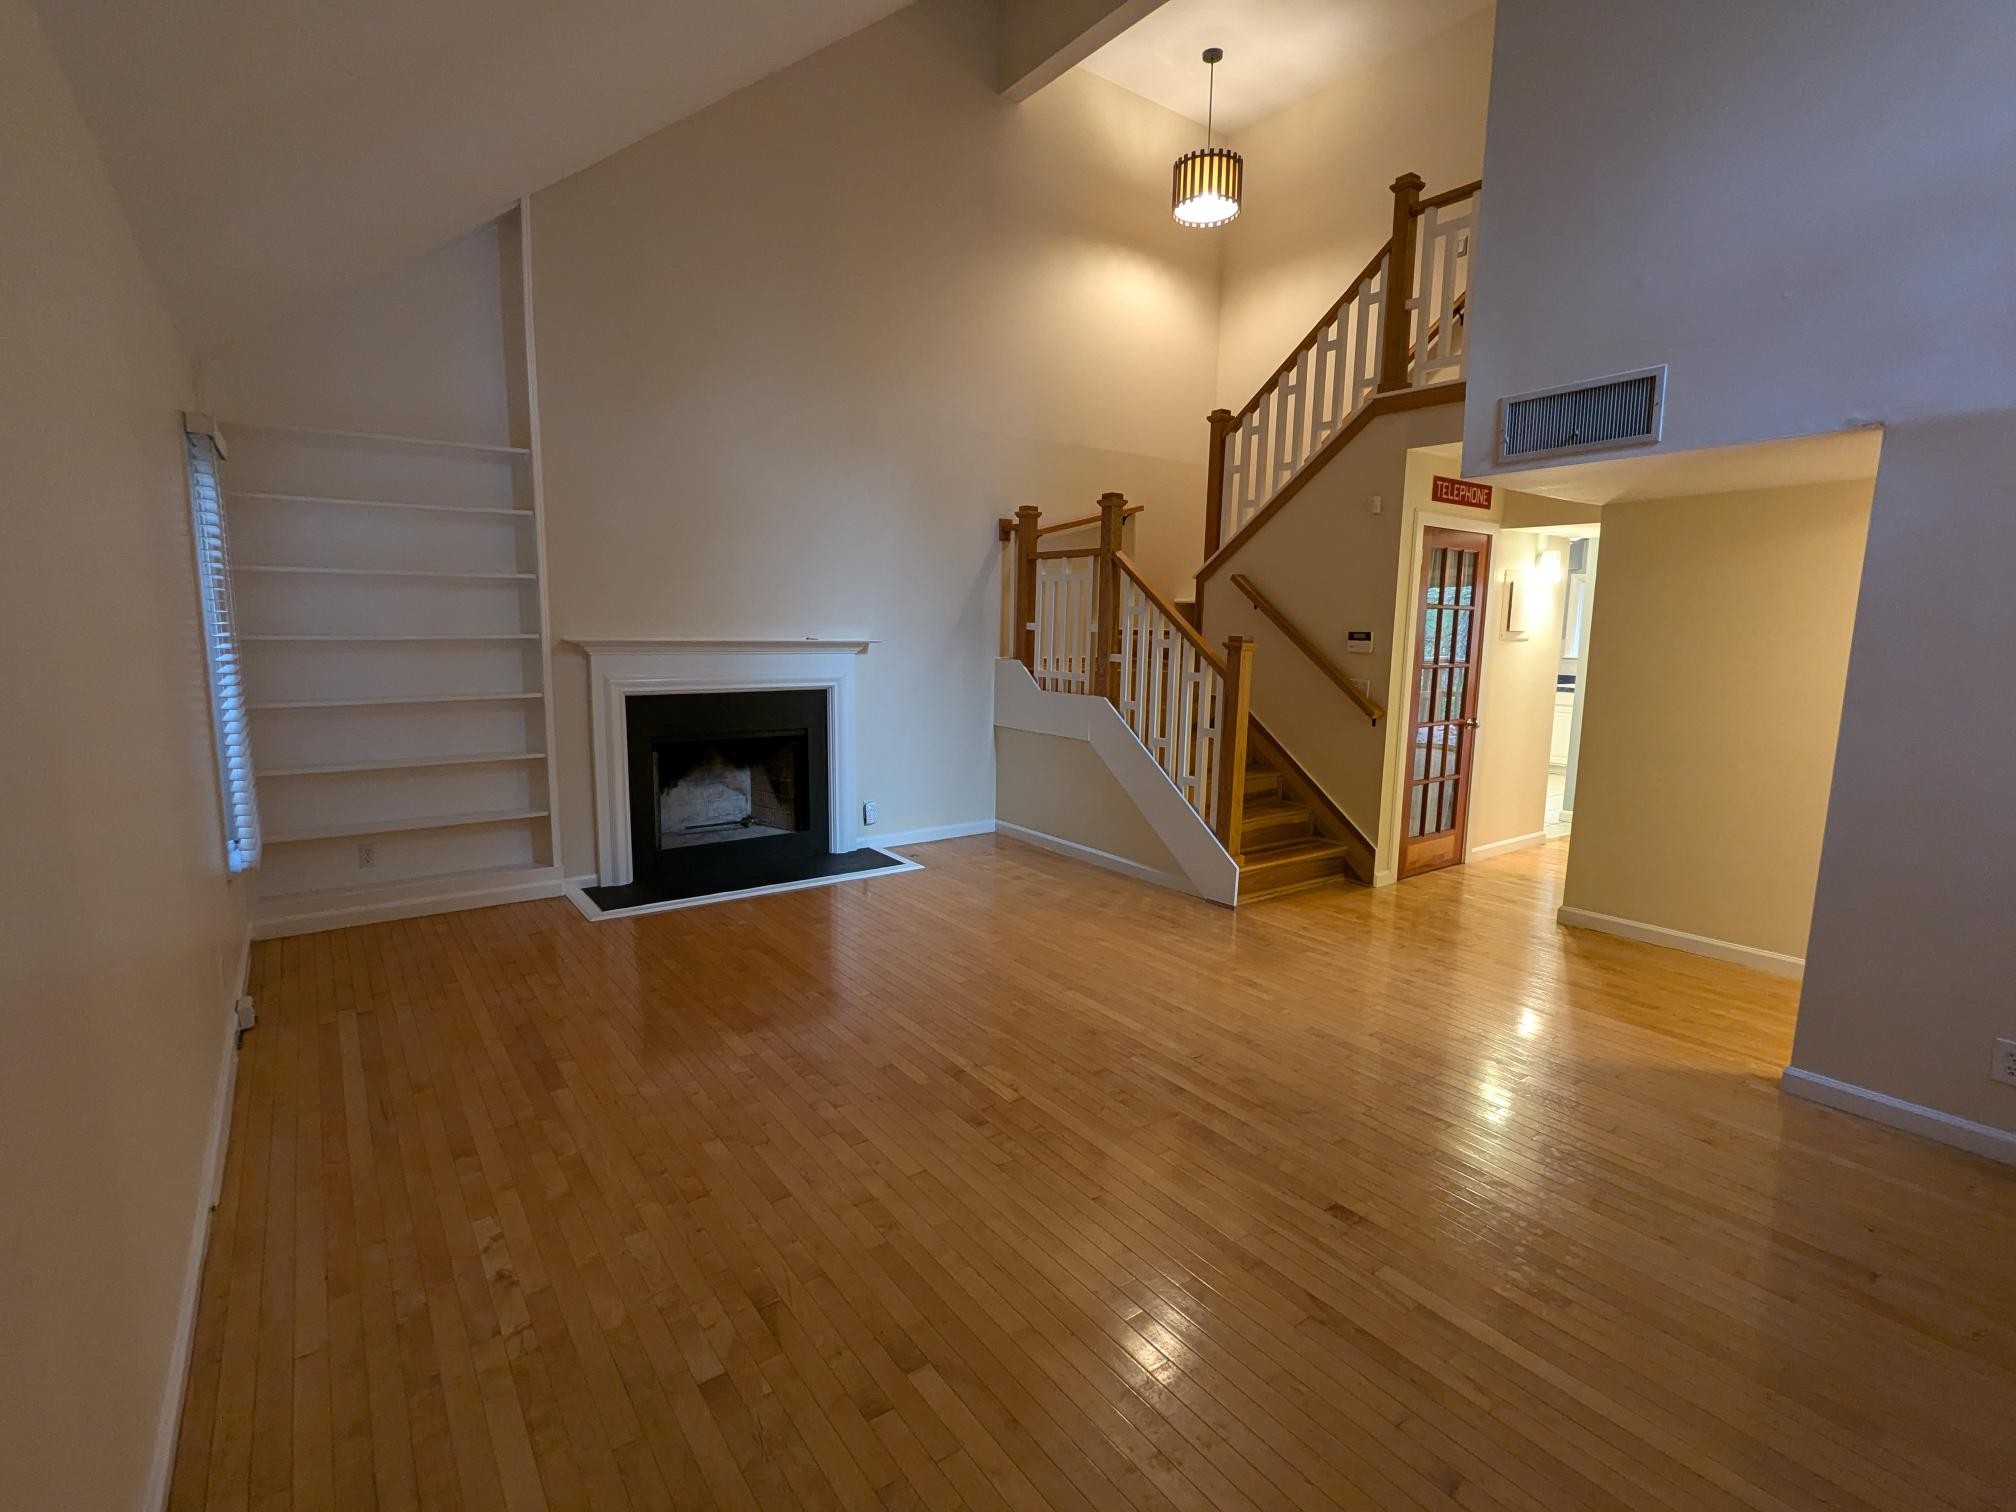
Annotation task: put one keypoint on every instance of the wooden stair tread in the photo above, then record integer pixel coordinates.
(1302, 848)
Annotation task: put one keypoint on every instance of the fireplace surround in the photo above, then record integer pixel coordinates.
(689, 718)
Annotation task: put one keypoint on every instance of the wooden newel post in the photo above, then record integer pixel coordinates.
(1214, 483)
(1235, 717)
(1025, 584)
(1106, 596)
(1393, 322)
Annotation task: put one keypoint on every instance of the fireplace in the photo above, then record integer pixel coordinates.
(725, 786)
(722, 768)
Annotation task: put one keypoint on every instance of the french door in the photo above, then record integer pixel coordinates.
(1455, 568)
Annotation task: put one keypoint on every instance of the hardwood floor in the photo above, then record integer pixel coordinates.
(1010, 1183)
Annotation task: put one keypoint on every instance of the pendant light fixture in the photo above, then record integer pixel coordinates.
(1208, 180)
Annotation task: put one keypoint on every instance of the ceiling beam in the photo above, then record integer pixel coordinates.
(1040, 40)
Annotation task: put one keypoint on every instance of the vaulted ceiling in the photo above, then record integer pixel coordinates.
(270, 152)
(1276, 51)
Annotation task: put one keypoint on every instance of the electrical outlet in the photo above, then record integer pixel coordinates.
(367, 856)
(1377, 503)
(868, 812)
(2003, 1067)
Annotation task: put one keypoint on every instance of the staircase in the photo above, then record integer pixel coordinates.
(1084, 621)
(1282, 850)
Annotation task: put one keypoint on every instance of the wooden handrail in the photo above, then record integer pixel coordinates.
(1306, 646)
(1449, 196)
(1294, 354)
(1175, 616)
(1008, 525)
(1064, 554)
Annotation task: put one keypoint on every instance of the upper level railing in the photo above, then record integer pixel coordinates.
(1399, 325)
(1086, 621)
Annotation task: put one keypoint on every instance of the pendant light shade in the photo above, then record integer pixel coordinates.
(1207, 186)
(1209, 181)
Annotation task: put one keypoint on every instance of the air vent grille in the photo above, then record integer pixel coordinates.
(1627, 410)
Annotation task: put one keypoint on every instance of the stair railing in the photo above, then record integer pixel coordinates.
(1086, 621)
(1400, 324)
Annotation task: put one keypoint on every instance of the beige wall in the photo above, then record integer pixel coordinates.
(1712, 702)
(1913, 951)
(1318, 189)
(1331, 565)
(418, 351)
(1515, 697)
(799, 352)
(119, 937)
(1061, 787)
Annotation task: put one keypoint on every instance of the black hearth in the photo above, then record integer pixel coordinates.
(728, 791)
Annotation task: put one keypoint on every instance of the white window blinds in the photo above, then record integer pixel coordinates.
(220, 635)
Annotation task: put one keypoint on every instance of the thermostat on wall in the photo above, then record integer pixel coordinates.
(1358, 642)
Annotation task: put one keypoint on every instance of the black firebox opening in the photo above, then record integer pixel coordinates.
(728, 791)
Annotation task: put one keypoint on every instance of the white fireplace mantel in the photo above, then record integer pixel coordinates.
(620, 669)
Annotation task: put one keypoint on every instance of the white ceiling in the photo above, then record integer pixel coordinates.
(1276, 51)
(269, 154)
(1835, 458)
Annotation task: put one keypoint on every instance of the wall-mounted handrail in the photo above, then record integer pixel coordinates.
(1307, 647)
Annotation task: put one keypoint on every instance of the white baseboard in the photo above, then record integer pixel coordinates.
(1678, 939)
(370, 906)
(926, 836)
(1174, 881)
(1914, 1118)
(168, 1426)
(1501, 847)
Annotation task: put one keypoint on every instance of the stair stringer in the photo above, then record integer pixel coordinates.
(1206, 868)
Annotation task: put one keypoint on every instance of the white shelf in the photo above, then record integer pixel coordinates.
(402, 826)
(406, 764)
(398, 698)
(475, 511)
(382, 640)
(389, 572)
(372, 438)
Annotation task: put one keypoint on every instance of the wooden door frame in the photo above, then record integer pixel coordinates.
(1466, 759)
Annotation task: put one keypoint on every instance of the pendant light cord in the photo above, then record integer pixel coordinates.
(1210, 101)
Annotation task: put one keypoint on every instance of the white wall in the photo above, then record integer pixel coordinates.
(120, 937)
(1319, 200)
(1913, 951)
(1801, 209)
(798, 353)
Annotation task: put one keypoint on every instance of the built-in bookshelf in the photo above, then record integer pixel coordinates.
(391, 617)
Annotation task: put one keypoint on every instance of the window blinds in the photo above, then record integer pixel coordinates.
(220, 635)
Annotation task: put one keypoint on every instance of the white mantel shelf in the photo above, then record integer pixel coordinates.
(772, 647)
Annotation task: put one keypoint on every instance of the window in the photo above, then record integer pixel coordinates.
(220, 639)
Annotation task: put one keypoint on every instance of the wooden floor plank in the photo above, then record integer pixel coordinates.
(1011, 1184)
